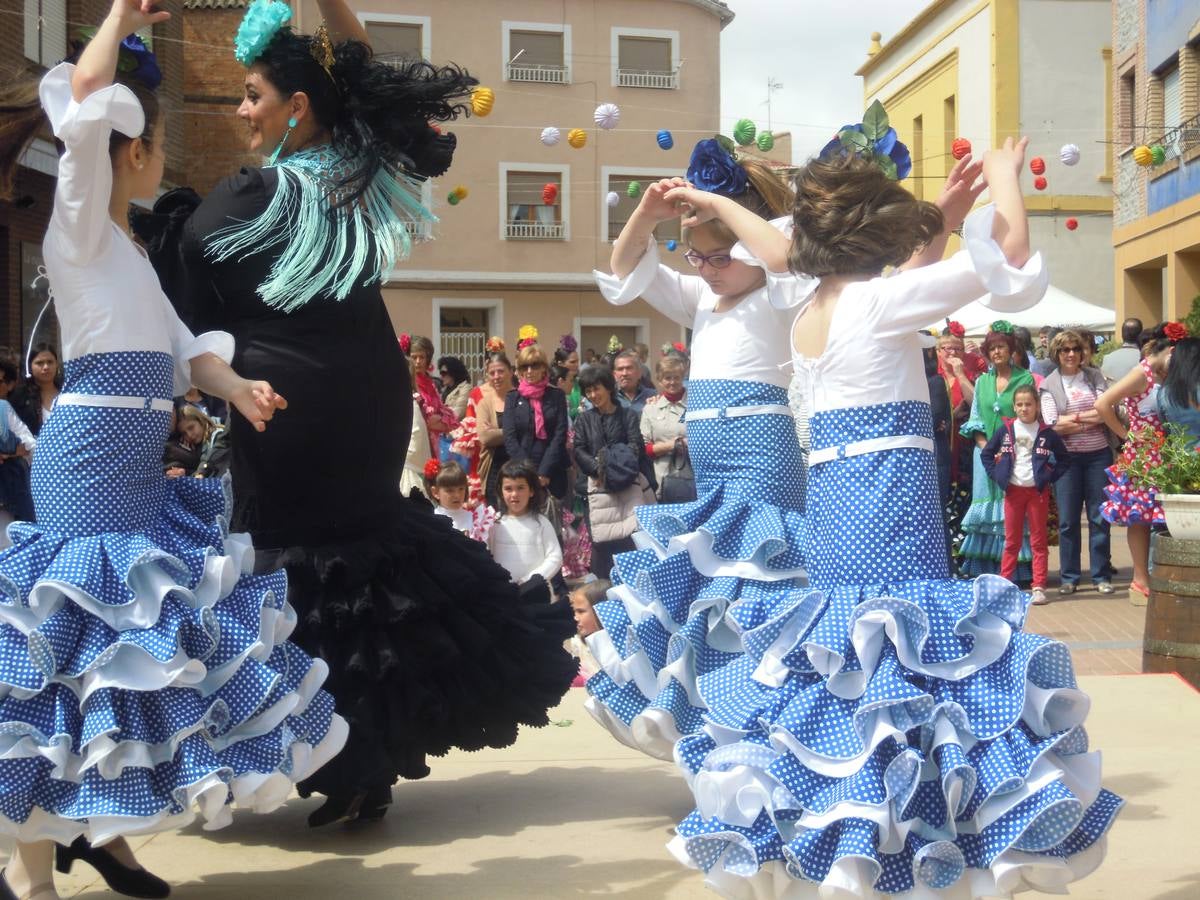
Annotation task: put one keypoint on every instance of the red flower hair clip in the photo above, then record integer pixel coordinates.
(1175, 331)
(494, 344)
(405, 342)
(956, 328)
(432, 467)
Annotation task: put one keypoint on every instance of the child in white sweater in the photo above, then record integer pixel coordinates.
(523, 540)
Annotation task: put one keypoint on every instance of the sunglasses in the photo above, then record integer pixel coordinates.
(1071, 350)
(531, 367)
(717, 260)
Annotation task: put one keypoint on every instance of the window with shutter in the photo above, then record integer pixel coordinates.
(537, 53)
(396, 40)
(1172, 99)
(45, 31)
(528, 215)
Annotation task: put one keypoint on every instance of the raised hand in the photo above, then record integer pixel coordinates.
(1005, 161)
(138, 14)
(962, 188)
(695, 206)
(655, 204)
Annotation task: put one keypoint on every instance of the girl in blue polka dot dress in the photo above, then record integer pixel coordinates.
(145, 670)
(890, 731)
(664, 625)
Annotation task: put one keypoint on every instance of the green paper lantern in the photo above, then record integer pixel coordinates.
(634, 189)
(766, 142)
(1158, 155)
(452, 199)
(743, 132)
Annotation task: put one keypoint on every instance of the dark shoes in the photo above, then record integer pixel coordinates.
(117, 875)
(365, 806)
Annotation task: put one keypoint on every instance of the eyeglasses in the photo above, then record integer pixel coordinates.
(530, 367)
(717, 260)
(1071, 350)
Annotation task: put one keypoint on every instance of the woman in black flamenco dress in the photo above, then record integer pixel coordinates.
(428, 643)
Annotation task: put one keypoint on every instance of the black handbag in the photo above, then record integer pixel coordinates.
(679, 484)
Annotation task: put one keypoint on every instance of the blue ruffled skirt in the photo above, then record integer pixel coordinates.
(889, 731)
(145, 673)
(665, 623)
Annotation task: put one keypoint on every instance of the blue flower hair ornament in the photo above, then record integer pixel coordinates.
(713, 168)
(261, 23)
(134, 59)
(874, 139)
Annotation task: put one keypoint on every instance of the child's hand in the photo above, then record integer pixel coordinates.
(654, 203)
(257, 401)
(1005, 162)
(962, 188)
(138, 14)
(696, 207)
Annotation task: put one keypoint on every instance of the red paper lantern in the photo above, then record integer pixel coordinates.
(550, 193)
(1040, 183)
(1037, 165)
(960, 148)
(1072, 224)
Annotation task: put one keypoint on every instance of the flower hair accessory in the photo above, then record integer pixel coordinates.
(432, 468)
(614, 345)
(713, 168)
(875, 140)
(1003, 326)
(956, 329)
(526, 336)
(405, 343)
(1175, 331)
(259, 26)
(494, 344)
(568, 344)
(676, 347)
(134, 58)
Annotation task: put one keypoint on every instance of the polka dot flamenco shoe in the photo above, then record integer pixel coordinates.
(118, 876)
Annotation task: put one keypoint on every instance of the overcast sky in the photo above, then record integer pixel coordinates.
(813, 48)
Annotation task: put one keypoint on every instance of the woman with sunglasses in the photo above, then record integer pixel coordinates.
(535, 421)
(456, 384)
(1068, 398)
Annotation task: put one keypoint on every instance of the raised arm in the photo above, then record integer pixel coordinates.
(97, 64)
(962, 188)
(341, 22)
(630, 245)
(1010, 226)
(764, 241)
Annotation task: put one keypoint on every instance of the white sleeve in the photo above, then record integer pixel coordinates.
(80, 224)
(1049, 408)
(186, 346)
(19, 428)
(675, 296)
(552, 564)
(918, 298)
(784, 289)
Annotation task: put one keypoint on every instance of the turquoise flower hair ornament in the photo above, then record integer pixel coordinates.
(874, 139)
(261, 23)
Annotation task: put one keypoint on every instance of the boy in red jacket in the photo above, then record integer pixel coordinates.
(1025, 457)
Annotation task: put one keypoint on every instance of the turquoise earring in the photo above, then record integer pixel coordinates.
(292, 123)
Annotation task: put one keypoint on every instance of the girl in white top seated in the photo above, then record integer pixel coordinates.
(523, 540)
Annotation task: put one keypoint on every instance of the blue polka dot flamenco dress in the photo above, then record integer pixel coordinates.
(673, 616)
(891, 731)
(145, 674)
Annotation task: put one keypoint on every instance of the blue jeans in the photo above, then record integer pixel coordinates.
(1083, 485)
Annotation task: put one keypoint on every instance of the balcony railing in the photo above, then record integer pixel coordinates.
(1181, 139)
(419, 231)
(642, 78)
(535, 231)
(539, 73)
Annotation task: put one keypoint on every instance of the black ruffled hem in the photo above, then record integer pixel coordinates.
(429, 645)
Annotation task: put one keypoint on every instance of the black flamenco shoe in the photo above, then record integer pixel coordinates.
(7, 893)
(118, 876)
(375, 804)
(337, 808)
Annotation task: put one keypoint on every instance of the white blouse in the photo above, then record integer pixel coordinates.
(107, 293)
(873, 352)
(747, 343)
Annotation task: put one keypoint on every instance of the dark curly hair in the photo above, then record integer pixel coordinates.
(379, 113)
(851, 218)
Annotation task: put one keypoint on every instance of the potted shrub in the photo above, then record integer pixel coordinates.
(1167, 463)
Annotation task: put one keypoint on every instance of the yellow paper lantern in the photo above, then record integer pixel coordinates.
(462, 192)
(482, 100)
(1142, 155)
(577, 137)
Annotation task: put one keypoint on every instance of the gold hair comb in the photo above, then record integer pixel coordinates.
(322, 49)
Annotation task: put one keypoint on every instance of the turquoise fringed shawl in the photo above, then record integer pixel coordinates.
(327, 251)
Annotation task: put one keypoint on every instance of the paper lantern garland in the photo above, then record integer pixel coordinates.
(1037, 166)
(1158, 155)
(766, 142)
(665, 139)
(482, 100)
(1069, 154)
(1040, 182)
(744, 131)
(551, 136)
(1142, 155)
(607, 115)
(1072, 224)
(457, 195)
(960, 148)
(672, 246)
(549, 193)
(634, 189)
(576, 137)
(612, 199)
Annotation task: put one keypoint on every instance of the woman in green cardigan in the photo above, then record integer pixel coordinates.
(983, 525)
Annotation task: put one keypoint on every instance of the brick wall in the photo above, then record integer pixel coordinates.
(24, 222)
(1129, 59)
(216, 138)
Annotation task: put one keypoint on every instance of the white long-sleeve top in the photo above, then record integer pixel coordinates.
(17, 427)
(526, 546)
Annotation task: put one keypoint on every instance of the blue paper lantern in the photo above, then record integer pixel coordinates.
(672, 246)
(665, 140)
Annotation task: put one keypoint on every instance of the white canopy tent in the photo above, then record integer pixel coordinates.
(1057, 309)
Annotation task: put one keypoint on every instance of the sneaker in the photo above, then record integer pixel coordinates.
(1104, 587)
(1039, 597)
(1066, 588)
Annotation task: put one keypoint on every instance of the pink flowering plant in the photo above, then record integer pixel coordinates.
(1166, 460)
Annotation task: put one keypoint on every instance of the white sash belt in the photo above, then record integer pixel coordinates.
(110, 400)
(874, 445)
(736, 412)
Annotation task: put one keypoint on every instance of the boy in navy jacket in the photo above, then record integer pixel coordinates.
(1025, 457)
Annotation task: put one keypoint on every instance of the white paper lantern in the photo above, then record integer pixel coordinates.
(551, 136)
(1069, 154)
(607, 115)
(613, 198)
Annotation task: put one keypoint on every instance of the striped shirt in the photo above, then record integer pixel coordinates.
(1081, 398)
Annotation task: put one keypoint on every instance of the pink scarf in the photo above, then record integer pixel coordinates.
(534, 393)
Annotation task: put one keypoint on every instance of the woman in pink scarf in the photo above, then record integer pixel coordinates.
(439, 418)
(535, 421)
